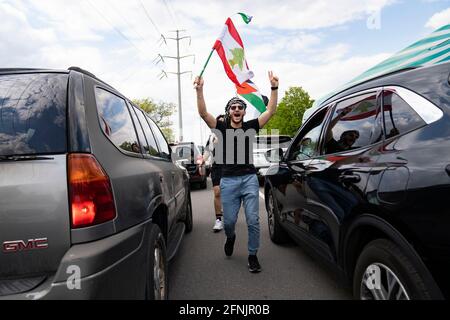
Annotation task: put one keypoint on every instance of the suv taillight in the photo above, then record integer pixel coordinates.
(90, 194)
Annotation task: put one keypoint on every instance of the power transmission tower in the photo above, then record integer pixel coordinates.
(178, 73)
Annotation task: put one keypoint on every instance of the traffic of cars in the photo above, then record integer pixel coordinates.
(90, 187)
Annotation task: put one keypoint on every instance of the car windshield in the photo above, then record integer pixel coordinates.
(272, 142)
(33, 113)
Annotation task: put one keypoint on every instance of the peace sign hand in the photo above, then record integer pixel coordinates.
(273, 79)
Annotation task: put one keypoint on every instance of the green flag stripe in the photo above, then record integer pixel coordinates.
(405, 62)
(428, 40)
(399, 59)
(430, 58)
(446, 27)
(255, 101)
(445, 59)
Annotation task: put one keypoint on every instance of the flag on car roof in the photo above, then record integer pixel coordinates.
(251, 94)
(431, 50)
(230, 49)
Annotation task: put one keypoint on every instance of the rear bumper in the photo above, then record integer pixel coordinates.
(196, 178)
(111, 268)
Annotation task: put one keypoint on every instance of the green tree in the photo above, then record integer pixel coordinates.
(160, 113)
(288, 117)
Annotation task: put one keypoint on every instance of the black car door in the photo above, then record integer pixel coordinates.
(335, 181)
(290, 184)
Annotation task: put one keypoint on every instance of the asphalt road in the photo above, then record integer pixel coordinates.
(201, 270)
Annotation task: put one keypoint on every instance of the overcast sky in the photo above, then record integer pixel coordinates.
(319, 45)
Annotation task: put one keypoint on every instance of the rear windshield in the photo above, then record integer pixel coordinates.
(33, 113)
(184, 152)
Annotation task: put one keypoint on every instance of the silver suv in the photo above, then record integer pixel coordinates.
(91, 205)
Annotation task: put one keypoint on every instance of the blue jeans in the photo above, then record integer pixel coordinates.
(233, 191)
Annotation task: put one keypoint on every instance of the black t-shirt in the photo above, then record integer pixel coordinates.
(240, 143)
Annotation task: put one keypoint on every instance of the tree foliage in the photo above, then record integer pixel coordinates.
(288, 117)
(160, 113)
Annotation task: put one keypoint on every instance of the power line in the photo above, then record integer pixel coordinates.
(117, 30)
(170, 13)
(150, 18)
(178, 58)
(177, 18)
(126, 21)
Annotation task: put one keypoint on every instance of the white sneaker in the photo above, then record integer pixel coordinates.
(218, 225)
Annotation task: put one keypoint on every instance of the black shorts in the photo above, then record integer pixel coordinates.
(216, 175)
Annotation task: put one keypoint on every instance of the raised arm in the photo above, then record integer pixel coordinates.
(273, 101)
(201, 105)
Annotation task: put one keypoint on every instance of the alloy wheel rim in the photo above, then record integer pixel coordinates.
(379, 282)
(159, 274)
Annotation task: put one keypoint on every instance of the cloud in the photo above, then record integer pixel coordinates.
(439, 19)
(288, 14)
(116, 41)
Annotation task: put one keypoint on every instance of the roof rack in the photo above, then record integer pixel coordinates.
(17, 69)
(80, 70)
(90, 74)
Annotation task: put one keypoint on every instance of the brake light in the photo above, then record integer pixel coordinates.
(90, 192)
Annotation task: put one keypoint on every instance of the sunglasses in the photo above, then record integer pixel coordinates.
(240, 107)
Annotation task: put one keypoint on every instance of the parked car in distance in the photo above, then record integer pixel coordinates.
(264, 143)
(189, 156)
(88, 191)
(365, 184)
(207, 165)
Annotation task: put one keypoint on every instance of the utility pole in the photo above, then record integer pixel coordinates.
(178, 73)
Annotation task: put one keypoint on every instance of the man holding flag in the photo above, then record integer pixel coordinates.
(239, 183)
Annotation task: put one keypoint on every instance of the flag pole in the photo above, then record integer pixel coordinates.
(206, 63)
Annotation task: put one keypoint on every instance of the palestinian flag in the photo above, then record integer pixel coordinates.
(230, 48)
(251, 94)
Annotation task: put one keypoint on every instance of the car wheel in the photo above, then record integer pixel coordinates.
(384, 272)
(277, 233)
(188, 220)
(157, 281)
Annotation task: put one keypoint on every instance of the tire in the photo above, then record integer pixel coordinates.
(157, 271)
(383, 257)
(189, 223)
(277, 234)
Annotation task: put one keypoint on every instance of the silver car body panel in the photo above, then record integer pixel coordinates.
(33, 206)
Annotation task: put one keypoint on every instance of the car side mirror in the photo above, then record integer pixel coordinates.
(274, 155)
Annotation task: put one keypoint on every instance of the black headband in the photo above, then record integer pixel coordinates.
(233, 101)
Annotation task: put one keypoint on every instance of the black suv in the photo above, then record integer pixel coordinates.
(91, 204)
(365, 185)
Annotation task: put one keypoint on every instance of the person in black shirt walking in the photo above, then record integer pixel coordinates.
(239, 183)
